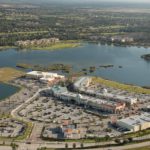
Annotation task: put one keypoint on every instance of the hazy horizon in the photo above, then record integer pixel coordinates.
(79, 1)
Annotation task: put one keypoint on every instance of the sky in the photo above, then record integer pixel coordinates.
(79, 1)
(88, 0)
(102, 0)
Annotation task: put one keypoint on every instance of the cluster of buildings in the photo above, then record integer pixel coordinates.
(135, 123)
(113, 39)
(122, 39)
(67, 130)
(41, 42)
(45, 77)
(87, 101)
(71, 131)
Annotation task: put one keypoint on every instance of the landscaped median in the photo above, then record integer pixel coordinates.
(27, 132)
(117, 85)
(24, 135)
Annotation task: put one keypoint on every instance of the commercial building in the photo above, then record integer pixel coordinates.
(82, 85)
(82, 82)
(87, 101)
(71, 131)
(67, 130)
(44, 76)
(135, 123)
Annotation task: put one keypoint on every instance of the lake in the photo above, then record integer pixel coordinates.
(135, 70)
(7, 90)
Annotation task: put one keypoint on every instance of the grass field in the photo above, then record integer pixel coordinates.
(57, 46)
(6, 47)
(129, 88)
(142, 148)
(16, 33)
(8, 74)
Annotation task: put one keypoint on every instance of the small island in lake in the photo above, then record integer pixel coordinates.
(146, 57)
(106, 66)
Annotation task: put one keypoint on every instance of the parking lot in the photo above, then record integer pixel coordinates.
(11, 128)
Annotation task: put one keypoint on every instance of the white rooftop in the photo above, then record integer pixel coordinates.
(137, 120)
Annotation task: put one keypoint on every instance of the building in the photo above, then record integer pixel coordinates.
(83, 83)
(129, 100)
(68, 130)
(135, 123)
(44, 76)
(71, 131)
(87, 101)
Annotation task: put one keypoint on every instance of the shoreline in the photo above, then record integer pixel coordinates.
(73, 44)
(2, 48)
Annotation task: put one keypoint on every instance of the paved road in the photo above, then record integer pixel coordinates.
(14, 112)
(24, 146)
(36, 132)
(127, 147)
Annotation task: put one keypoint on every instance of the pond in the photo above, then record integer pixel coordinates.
(7, 90)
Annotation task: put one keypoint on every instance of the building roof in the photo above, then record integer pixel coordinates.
(81, 81)
(44, 74)
(62, 91)
(137, 120)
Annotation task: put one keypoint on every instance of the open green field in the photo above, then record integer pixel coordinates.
(142, 148)
(16, 33)
(129, 88)
(57, 46)
(6, 47)
(8, 74)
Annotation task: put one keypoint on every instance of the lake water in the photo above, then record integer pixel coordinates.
(7, 90)
(135, 70)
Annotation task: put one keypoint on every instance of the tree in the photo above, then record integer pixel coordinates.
(107, 137)
(118, 141)
(130, 139)
(125, 141)
(82, 145)
(66, 145)
(74, 145)
(14, 146)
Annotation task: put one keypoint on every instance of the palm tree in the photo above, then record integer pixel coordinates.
(66, 145)
(74, 145)
(82, 145)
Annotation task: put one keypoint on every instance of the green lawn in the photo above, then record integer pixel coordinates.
(6, 47)
(142, 148)
(57, 46)
(8, 74)
(16, 33)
